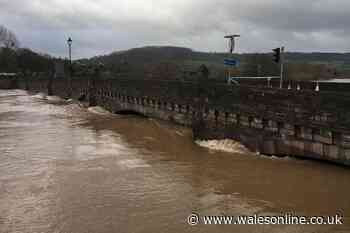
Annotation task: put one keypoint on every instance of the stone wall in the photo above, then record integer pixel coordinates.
(304, 85)
(271, 121)
(8, 82)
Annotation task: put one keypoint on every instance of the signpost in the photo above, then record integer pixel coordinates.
(231, 62)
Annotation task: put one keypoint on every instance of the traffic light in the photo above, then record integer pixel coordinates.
(277, 55)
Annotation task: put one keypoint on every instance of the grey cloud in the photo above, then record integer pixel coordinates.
(106, 25)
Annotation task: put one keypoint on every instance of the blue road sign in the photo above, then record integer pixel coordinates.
(231, 62)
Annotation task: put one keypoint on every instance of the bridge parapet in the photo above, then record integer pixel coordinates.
(8, 80)
(302, 123)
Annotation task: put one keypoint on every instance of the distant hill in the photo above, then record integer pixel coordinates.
(146, 54)
(341, 61)
(24, 60)
(319, 57)
(177, 62)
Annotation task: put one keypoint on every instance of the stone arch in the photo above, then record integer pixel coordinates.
(129, 112)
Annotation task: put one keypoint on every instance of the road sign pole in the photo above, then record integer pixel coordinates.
(231, 50)
(282, 67)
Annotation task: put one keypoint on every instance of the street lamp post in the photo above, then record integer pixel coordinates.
(69, 42)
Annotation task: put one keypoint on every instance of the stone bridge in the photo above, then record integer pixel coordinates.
(304, 123)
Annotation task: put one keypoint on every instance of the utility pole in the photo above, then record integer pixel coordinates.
(282, 67)
(69, 42)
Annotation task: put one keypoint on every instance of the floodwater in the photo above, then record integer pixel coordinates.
(68, 169)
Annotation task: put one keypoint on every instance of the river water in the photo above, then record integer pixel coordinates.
(68, 169)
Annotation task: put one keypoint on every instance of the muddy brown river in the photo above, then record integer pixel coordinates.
(68, 169)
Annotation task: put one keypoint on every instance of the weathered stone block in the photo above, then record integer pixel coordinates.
(347, 154)
(317, 148)
(244, 121)
(232, 118)
(322, 139)
(273, 125)
(288, 129)
(211, 115)
(283, 147)
(222, 118)
(346, 141)
(269, 148)
(257, 123)
(306, 133)
(298, 148)
(331, 152)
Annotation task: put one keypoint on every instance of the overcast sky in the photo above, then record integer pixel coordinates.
(102, 26)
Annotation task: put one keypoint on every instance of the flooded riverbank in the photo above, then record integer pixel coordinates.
(65, 168)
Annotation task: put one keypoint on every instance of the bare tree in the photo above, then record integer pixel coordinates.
(7, 38)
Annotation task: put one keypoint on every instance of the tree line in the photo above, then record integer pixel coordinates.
(14, 59)
(165, 63)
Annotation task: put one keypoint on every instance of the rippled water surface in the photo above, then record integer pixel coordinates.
(67, 169)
